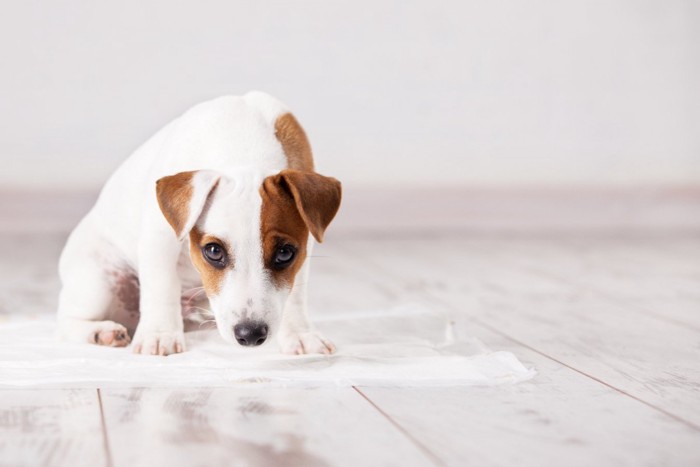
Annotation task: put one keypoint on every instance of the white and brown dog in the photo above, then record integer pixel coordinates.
(236, 177)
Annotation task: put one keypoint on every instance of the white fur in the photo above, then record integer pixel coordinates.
(247, 292)
(231, 140)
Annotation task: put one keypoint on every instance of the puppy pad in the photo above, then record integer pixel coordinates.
(409, 346)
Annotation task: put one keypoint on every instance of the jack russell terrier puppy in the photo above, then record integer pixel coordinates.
(234, 177)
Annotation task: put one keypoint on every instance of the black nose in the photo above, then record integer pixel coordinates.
(250, 333)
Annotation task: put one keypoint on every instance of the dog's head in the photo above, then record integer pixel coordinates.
(248, 239)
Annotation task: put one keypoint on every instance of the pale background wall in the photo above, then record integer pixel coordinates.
(400, 93)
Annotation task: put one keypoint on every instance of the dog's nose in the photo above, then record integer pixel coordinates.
(250, 333)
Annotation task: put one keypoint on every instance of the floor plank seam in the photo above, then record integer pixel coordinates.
(105, 437)
(423, 448)
(612, 299)
(478, 322)
(677, 418)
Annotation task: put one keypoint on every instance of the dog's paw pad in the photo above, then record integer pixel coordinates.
(306, 343)
(118, 337)
(159, 343)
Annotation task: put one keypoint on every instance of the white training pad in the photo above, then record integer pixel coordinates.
(405, 347)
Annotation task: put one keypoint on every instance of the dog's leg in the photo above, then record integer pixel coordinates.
(86, 294)
(103, 332)
(160, 330)
(297, 335)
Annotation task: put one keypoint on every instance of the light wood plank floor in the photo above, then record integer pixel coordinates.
(611, 323)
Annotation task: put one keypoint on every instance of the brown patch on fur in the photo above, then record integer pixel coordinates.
(295, 203)
(294, 143)
(124, 307)
(316, 197)
(127, 291)
(281, 224)
(212, 277)
(174, 194)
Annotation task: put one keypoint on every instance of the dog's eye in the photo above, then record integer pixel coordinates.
(284, 256)
(215, 254)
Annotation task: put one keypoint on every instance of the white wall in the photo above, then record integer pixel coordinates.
(391, 92)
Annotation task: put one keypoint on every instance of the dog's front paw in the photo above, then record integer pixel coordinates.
(158, 342)
(305, 343)
(111, 334)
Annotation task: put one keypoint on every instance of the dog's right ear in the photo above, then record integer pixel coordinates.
(183, 196)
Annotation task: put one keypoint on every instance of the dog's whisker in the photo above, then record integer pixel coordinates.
(188, 303)
(202, 311)
(195, 295)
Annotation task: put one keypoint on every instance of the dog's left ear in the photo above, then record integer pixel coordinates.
(316, 197)
(183, 196)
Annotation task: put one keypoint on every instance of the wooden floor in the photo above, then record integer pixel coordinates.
(611, 323)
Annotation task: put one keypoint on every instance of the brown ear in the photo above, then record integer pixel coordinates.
(316, 197)
(183, 196)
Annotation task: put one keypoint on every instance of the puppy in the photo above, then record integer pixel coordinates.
(223, 200)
